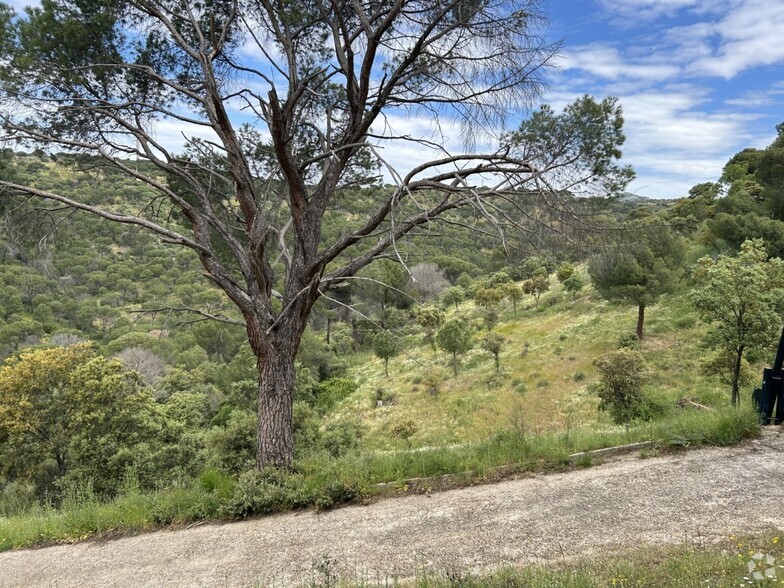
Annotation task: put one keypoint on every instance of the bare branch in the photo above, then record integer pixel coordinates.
(187, 309)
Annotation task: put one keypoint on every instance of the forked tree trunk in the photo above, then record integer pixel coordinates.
(640, 320)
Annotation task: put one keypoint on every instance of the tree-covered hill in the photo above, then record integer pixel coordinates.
(114, 373)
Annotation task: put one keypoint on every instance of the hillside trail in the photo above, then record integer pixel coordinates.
(694, 496)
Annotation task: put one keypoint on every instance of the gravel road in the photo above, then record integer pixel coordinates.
(697, 495)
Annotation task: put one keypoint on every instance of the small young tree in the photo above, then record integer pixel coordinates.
(622, 373)
(430, 319)
(513, 293)
(534, 265)
(488, 297)
(465, 281)
(498, 280)
(490, 317)
(428, 280)
(454, 295)
(385, 348)
(741, 299)
(455, 338)
(493, 343)
(640, 271)
(536, 286)
(404, 429)
(574, 284)
(144, 362)
(564, 271)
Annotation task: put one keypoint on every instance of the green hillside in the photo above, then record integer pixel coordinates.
(117, 392)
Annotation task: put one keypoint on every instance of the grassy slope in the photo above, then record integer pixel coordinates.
(544, 386)
(563, 339)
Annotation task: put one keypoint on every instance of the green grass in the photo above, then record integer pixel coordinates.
(547, 373)
(322, 483)
(697, 565)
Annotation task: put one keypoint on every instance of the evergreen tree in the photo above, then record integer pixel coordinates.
(640, 271)
(455, 338)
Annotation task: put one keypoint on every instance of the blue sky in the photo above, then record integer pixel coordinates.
(699, 80)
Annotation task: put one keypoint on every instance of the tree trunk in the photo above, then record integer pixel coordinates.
(736, 377)
(497, 364)
(454, 362)
(640, 320)
(386, 367)
(275, 435)
(61, 464)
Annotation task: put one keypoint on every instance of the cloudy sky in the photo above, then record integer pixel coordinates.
(698, 80)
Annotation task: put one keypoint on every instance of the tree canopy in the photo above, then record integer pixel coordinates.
(640, 271)
(741, 300)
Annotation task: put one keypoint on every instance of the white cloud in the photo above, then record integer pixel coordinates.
(673, 139)
(674, 142)
(671, 120)
(405, 155)
(20, 5)
(754, 99)
(680, 134)
(723, 39)
(749, 35)
(607, 62)
(173, 135)
(632, 12)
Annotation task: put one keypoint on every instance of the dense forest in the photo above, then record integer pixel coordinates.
(124, 365)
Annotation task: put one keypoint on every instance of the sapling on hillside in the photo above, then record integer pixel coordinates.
(493, 343)
(455, 338)
(622, 373)
(385, 348)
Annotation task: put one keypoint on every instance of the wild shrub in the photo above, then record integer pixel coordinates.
(622, 373)
(17, 498)
(384, 397)
(341, 438)
(258, 492)
(332, 391)
(629, 341)
(231, 447)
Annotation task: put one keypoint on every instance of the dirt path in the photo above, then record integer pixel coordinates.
(705, 495)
